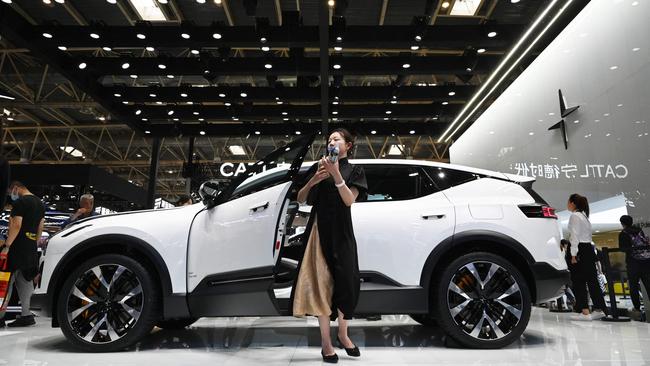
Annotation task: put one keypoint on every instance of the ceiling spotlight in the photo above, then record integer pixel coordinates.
(418, 38)
(266, 48)
(336, 66)
(200, 1)
(150, 49)
(162, 1)
(107, 49)
(339, 39)
(162, 66)
(46, 2)
(152, 95)
(125, 102)
(492, 34)
(185, 35)
(158, 102)
(445, 103)
(469, 69)
(117, 95)
(451, 93)
(133, 76)
(412, 132)
(147, 132)
(227, 104)
(445, 4)
(298, 132)
(217, 2)
(415, 48)
(335, 102)
(201, 119)
(102, 118)
(235, 118)
(184, 95)
(195, 52)
(170, 76)
(141, 36)
(94, 35)
(268, 66)
(279, 102)
(480, 50)
(82, 65)
(257, 132)
(47, 35)
(63, 48)
(406, 66)
(170, 113)
(373, 132)
(243, 95)
(335, 112)
(514, 1)
(195, 113)
(60, 1)
(389, 112)
(216, 35)
(338, 48)
(137, 113)
(330, 3)
(202, 133)
(284, 113)
(393, 102)
(222, 95)
(125, 65)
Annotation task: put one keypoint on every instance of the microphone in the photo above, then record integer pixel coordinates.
(333, 153)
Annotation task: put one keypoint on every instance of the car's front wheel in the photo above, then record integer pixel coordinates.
(108, 303)
(482, 301)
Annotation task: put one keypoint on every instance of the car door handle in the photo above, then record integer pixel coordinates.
(433, 216)
(259, 206)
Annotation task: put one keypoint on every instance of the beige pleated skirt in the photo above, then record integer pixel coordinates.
(314, 287)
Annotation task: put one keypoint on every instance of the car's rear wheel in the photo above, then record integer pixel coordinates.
(108, 303)
(425, 319)
(482, 301)
(173, 324)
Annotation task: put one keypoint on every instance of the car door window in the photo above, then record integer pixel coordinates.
(396, 182)
(445, 178)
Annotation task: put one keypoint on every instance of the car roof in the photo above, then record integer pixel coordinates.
(489, 173)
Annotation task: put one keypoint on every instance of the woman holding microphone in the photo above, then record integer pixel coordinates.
(328, 280)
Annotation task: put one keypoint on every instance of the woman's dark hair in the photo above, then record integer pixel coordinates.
(347, 136)
(581, 203)
(627, 221)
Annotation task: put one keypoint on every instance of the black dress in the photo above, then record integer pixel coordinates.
(336, 235)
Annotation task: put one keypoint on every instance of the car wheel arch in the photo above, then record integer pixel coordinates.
(483, 240)
(105, 244)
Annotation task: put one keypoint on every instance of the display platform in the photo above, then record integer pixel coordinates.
(551, 338)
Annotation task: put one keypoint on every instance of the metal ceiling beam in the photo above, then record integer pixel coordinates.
(385, 37)
(240, 66)
(323, 35)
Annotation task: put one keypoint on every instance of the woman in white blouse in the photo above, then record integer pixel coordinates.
(583, 260)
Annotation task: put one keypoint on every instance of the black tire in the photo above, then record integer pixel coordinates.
(175, 324)
(499, 301)
(425, 319)
(109, 313)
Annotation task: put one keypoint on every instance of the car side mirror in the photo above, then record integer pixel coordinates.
(208, 192)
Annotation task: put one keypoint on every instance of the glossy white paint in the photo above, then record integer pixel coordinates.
(236, 235)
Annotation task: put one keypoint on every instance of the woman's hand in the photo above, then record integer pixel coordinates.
(332, 169)
(574, 260)
(320, 175)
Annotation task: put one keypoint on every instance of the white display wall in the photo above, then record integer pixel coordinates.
(601, 61)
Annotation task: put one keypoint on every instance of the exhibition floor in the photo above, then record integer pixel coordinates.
(551, 338)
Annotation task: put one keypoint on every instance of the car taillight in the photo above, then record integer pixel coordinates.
(538, 211)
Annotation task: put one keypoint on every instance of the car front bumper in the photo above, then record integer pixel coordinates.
(549, 281)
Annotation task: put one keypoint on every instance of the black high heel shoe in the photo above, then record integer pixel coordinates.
(329, 358)
(352, 352)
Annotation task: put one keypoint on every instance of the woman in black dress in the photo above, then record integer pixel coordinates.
(328, 277)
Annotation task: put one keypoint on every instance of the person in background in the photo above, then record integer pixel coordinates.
(565, 247)
(184, 200)
(583, 257)
(630, 237)
(86, 209)
(25, 227)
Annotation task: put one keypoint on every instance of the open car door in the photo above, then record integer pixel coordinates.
(234, 243)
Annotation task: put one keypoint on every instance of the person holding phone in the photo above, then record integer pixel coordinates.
(328, 281)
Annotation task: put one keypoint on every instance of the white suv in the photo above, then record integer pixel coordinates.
(467, 249)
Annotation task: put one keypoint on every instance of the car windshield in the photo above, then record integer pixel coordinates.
(289, 157)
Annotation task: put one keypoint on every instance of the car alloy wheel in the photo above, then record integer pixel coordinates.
(485, 300)
(105, 303)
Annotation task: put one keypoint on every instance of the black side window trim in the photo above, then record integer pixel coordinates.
(420, 194)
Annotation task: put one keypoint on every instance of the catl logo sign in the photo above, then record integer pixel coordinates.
(228, 170)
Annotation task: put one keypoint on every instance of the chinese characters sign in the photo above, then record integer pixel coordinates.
(570, 171)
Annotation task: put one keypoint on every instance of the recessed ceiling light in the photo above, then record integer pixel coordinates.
(412, 132)
(152, 95)
(158, 102)
(133, 76)
(338, 48)
(150, 49)
(330, 3)
(339, 39)
(60, 1)
(406, 66)
(469, 69)
(268, 66)
(451, 93)
(147, 132)
(243, 95)
(298, 132)
(335, 102)
(263, 39)
(257, 132)
(46, 2)
(141, 36)
(336, 66)
(284, 113)
(201, 119)
(216, 35)
(170, 76)
(117, 95)
(94, 35)
(492, 34)
(279, 102)
(202, 133)
(415, 48)
(185, 36)
(393, 102)
(200, 1)
(137, 113)
(285, 119)
(144, 119)
(170, 113)
(222, 95)
(125, 65)
(386, 118)
(217, 2)
(266, 48)
(389, 112)
(445, 4)
(47, 35)
(195, 113)
(82, 65)
(235, 118)
(63, 48)
(162, 1)
(107, 49)
(162, 66)
(184, 95)
(480, 50)
(514, 1)
(227, 104)
(102, 118)
(335, 112)
(125, 102)
(445, 103)
(418, 38)
(373, 132)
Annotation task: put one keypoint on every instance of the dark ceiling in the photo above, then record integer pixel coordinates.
(400, 74)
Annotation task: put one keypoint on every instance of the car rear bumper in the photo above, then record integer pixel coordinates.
(549, 281)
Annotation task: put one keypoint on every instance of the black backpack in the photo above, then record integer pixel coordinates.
(640, 250)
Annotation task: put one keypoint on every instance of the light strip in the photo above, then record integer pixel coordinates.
(524, 54)
(148, 10)
(7, 97)
(501, 65)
